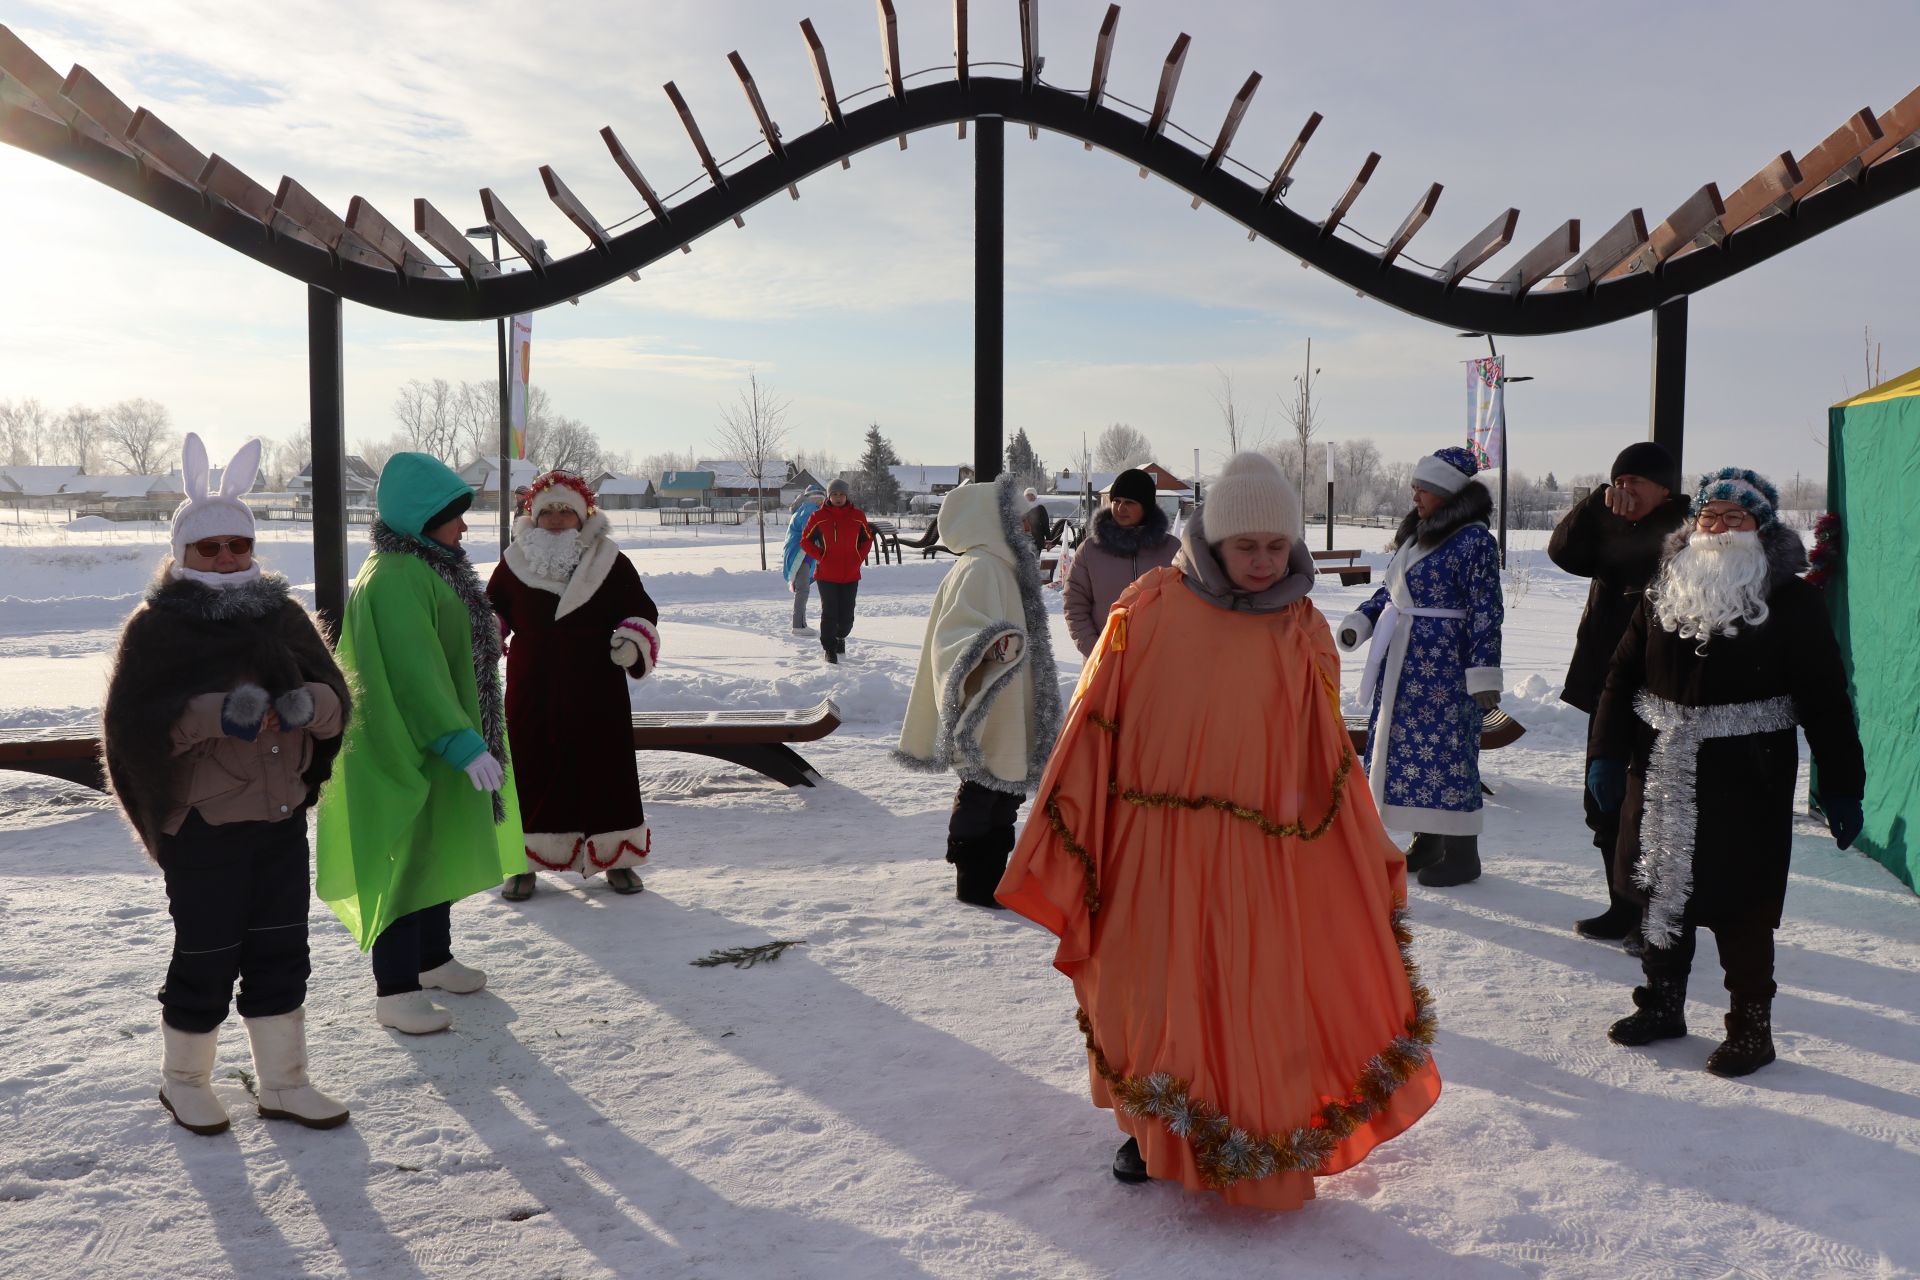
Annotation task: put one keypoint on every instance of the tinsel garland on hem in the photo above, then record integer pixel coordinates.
(1167, 800)
(1223, 1152)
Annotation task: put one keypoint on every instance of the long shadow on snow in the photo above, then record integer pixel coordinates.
(361, 1238)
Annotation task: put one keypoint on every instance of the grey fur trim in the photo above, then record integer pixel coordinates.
(255, 599)
(1670, 797)
(456, 570)
(958, 740)
(1038, 650)
(244, 708)
(1786, 553)
(1107, 534)
(295, 708)
(1472, 505)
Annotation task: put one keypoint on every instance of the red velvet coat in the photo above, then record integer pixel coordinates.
(568, 717)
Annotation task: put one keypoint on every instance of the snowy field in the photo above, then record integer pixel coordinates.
(906, 1094)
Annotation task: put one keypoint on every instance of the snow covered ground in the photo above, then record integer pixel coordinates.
(906, 1094)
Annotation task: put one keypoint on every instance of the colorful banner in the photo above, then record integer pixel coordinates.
(1487, 411)
(519, 368)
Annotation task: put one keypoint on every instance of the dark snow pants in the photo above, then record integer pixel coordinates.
(982, 822)
(1746, 956)
(1606, 834)
(836, 614)
(410, 946)
(238, 894)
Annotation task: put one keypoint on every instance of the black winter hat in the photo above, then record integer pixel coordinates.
(1647, 459)
(1134, 484)
(457, 507)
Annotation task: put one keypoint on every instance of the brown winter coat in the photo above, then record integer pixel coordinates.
(1107, 563)
(1621, 556)
(181, 653)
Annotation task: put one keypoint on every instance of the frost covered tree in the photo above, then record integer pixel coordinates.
(1121, 446)
(138, 435)
(874, 485)
(753, 431)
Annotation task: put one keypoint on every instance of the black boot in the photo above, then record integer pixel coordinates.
(1615, 924)
(1660, 1013)
(1459, 865)
(1749, 1044)
(1127, 1164)
(978, 866)
(1425, 850)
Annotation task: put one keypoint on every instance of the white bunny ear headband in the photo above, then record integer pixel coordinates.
(235, 482)
(208, 515)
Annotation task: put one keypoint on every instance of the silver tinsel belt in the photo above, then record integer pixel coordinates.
(1671, 812)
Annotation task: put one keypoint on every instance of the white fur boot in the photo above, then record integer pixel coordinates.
(280, 1061)
(455, 977)
(186, 1087)
(411, 1012)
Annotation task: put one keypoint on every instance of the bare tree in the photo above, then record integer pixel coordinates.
(1238, 437)
(1357, 468)
(76, 437)
(26, 429)
(138, 435)
(1302, 414)
(429, 420)
(1121, 446)
(293, 452)
(822, 464)
(753, 430)
(567, 444)
(376, 452)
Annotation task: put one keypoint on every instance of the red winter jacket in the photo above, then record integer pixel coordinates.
(837, 538)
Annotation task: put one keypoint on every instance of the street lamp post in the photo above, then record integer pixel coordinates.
(1495, 351)
(506, 421)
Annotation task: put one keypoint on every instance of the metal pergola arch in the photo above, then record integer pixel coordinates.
(1552, 288)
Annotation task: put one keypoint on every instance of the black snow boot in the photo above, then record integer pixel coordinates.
(1749, 1044)
(1615, 924)
(1127, 1164)
(1460, 864)
(1425, 850)
(1660, 1013)
(978, 866)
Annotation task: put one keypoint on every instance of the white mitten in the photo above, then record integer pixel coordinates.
(635, 645)
(485, 772)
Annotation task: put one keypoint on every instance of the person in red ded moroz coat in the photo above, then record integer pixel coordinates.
(580, 630)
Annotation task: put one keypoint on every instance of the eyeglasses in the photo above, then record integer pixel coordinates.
(1724, 519)
(211, 547)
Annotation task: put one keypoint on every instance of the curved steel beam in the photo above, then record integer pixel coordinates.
(936, 105)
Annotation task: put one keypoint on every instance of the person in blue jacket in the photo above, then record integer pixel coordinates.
(795, 564)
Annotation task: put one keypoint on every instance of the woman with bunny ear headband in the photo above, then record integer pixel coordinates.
(223, 718)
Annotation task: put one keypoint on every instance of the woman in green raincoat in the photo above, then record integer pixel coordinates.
(421, 812)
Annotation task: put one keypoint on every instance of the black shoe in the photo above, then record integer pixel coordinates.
(978, 866)
(1127, 1164)
(1615, 924)
(1459, 865)
(1660, 1014)
(1749, 1044)
(832, 657)
(1425, 850)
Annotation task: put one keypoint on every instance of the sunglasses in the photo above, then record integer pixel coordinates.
(211, 547)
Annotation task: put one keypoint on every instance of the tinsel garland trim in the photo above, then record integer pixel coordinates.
(1223, 1152)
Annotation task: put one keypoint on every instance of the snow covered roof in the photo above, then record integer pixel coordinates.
(361, 478)
(615, 483)
(484, 473)
(38, 482)
(114, 487)
(915, 478)
(728, 474)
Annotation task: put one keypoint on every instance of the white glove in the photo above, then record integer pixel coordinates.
(1349, 637)
(485, 772)
(1006, 649)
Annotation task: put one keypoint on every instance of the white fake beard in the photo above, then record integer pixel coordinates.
(1714, 583)
(552, 554)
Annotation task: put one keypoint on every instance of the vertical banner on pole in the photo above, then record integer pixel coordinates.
(1487, 411)
(519, 367)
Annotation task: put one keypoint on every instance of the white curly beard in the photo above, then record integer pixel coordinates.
(552, 555)
(1714, 583)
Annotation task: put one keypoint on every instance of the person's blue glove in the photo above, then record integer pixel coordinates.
(1844, 818)
(1607, 780)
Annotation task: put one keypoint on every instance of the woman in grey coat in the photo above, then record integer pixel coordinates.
(1125, 539)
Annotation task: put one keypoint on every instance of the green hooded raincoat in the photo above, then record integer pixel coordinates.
(401, 827)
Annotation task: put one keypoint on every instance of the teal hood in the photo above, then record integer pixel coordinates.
(413, 488)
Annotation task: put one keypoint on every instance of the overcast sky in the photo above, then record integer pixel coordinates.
(855, 301)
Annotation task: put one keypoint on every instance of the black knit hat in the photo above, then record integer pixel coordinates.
(1651, 461)
(1135, 485)
(457, 507)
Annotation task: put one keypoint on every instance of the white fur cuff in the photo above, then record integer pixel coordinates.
(1485, 680)
(636, 646)
(1358, 623)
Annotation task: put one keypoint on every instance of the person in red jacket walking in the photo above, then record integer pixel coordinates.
(837, 538)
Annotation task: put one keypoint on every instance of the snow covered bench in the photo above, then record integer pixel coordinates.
(756, 739)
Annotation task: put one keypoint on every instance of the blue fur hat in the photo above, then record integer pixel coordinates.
(1445, 471)
(1750, 489)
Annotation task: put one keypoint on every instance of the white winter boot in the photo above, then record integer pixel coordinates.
(455, 977)
(411, 1012)
(280, 1061)
(187, 1072)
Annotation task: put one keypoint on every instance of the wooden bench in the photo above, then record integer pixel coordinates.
(1346, 564)
(756, 739)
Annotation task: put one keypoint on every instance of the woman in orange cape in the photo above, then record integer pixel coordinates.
(1227, 903)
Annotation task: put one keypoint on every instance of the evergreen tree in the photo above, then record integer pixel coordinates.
(1551, 483)
(1022, 461)
(874, 488)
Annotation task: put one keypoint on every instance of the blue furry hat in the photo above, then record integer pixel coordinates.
(1750, 489)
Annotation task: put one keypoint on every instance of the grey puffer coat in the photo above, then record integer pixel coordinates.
(1107, 563)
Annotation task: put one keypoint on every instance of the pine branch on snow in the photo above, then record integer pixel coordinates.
(747, 957)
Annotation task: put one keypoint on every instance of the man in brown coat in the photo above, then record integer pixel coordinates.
(1126, 538)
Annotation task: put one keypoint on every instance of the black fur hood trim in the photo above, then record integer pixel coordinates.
(1472, 505)
(264, 595)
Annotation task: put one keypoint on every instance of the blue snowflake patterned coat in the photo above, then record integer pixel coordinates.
(1423, 729)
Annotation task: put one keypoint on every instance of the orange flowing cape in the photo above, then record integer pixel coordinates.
(1229, 907)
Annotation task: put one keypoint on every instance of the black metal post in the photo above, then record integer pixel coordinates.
(506, 423)
(1667, 417)
(989, 297)
(326, 401)
(1329, 515)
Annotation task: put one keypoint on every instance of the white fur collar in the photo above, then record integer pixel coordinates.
(597, 554)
